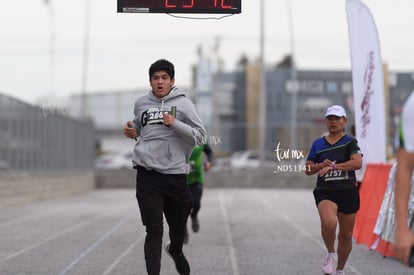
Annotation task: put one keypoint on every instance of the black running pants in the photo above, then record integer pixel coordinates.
(159, 194)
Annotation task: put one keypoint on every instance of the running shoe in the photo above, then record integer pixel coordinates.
(339, 272)
(329, 265)
(181, 263)
(195, 224)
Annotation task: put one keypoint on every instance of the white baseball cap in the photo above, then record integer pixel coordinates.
(335, 110)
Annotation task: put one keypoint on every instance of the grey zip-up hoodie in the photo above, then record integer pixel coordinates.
(162, 148)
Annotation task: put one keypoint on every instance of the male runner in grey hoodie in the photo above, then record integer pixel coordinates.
(167, 127)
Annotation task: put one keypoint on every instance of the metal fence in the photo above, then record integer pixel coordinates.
(43, 139)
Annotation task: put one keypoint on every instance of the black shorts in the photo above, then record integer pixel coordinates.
(347, 200)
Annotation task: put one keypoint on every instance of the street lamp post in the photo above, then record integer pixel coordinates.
(85, 59)
(293, 74)
(215, 90)
(52, 48)
(262, 85)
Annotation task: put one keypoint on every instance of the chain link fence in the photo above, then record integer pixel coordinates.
(43, 140)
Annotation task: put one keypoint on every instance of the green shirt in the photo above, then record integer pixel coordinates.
(196, 159)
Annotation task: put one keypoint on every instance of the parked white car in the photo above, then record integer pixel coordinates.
(115, 160)
(250, 159)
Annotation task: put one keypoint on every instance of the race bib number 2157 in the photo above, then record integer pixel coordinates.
(336, 175)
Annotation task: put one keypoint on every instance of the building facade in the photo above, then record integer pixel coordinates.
(229, 105)
(315, 91)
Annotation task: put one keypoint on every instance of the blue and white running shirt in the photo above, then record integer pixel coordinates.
(340, 152)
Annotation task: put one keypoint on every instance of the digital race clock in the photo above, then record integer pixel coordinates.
(180, 6)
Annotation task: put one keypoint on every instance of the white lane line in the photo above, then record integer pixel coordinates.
(301, 230)
(96, 243)
(353, 269)
(269, 207)
(55, 236)
(70, 205)
(31, 217)
(232, 251)
(123, 255)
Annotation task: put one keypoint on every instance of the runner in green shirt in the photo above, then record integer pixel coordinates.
(195, 181)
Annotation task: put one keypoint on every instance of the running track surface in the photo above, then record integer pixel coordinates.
(243, 231)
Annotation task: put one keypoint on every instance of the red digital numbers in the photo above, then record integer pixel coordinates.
(180, 6)
(168, 5)
(222, 5)
(190, 4)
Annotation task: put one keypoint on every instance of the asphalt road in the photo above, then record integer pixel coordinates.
(243, 231)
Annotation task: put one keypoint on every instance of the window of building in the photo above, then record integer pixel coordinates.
(346, 87)
(292, 86)
(331, 87)
(312, 87)
(392, 80)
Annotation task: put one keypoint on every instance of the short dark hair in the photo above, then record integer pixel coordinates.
(162, 65)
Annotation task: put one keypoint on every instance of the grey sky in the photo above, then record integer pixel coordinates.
(122, 46)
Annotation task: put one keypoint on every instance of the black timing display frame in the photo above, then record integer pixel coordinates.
(179, 6)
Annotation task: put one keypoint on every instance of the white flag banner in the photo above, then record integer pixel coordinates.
(368, 82)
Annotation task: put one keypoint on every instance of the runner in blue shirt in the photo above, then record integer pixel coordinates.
(335, 158)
